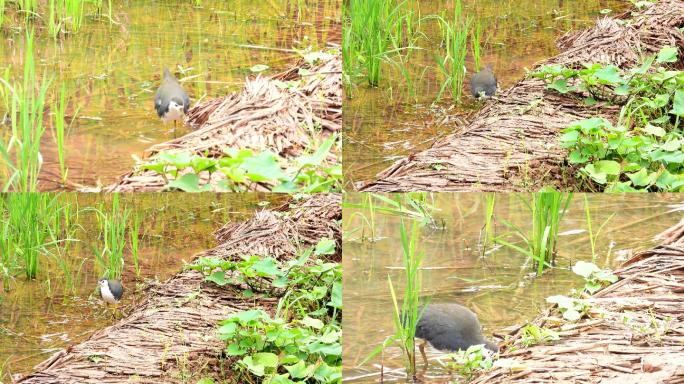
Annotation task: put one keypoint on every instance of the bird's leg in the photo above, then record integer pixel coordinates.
(421, 347)
(175, 126)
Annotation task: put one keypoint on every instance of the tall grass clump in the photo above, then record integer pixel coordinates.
(134, 235)
(488, 235)
(2, 11)
(33, 224)
(407, 315)
(59, 132)
(21, 152)
(455, 35)
(375, 30)
(113, 228)
(476, 43)
(370, 33)
(539, 243)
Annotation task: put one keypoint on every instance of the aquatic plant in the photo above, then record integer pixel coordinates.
(642, 151)
(593, 236)
(302, 342)
(455, 35)
(467, 363)
(134, 240)
(21, 152)
(488, 235)
(533, 335)
(112, 224)
(539, 244)
(594, 277)
(476, 43)
(406, 316)
(59, 132)
(33, 224)
(375, 30)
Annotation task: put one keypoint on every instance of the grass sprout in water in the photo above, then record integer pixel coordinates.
(539, 244)
(21, 150)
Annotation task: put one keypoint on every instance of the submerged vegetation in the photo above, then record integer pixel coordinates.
(302, 340)
(642, 150)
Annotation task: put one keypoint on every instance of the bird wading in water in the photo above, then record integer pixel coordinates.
(483, 83)
(171, 101)
(450, 327)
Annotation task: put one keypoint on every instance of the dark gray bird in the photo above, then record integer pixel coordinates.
(450, 327)
(111, 290)
(171, 101)
(483, 83)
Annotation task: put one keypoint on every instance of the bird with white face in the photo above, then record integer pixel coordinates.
(111, 290)
(171, 102)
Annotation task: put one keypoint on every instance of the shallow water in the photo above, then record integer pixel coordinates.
(384, 124)
(497, 287)
(113, 69)
(39, 317)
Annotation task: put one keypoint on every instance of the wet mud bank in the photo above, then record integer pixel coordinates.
(512, 144)
(175, 328)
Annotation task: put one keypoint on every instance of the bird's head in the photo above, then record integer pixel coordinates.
(176, 104)
(104, 283)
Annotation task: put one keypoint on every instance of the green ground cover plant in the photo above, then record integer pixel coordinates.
(642, 150)
(299, 343)
(309, 173)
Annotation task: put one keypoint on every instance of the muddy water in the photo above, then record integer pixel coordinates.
(42, 316)
(383, 124)
(497, 287)
(113, 69)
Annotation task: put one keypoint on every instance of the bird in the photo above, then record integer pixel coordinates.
(171, 101)
(111, 290)
(483, 83)
(450, 327)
